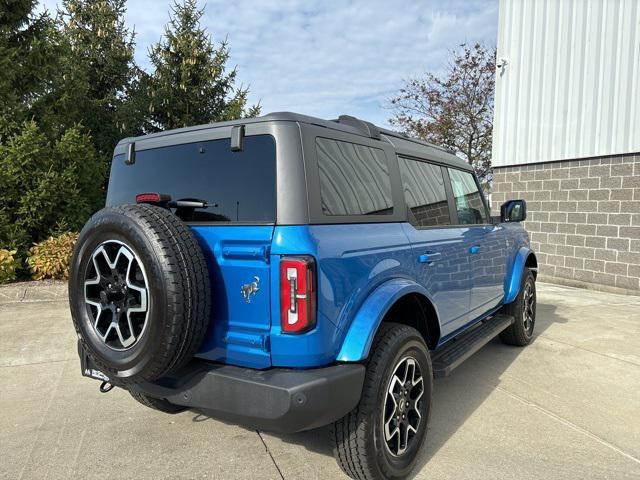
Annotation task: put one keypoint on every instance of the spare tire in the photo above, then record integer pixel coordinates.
(139, 292)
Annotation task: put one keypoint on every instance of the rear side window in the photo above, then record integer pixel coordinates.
(354, 179)
(424, 193)
(241, 184)
(469, 204)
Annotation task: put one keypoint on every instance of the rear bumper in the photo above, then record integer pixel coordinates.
(279, 400)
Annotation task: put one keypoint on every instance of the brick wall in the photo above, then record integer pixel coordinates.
(583, 217)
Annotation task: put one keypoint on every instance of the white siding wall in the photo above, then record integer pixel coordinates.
(571, 87)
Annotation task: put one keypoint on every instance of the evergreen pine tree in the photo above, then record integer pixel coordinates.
(28, 54)
(97, 72)
(191, 83)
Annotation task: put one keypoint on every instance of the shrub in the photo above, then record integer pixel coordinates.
(45, 182)
(8, 265)
(51, 257)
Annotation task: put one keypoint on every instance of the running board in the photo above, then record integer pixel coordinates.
(457, 350)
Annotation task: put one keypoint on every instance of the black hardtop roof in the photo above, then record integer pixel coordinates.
(402, 143)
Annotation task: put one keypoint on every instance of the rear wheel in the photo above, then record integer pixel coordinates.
(523, 310)
(381, 437)
(157, 403)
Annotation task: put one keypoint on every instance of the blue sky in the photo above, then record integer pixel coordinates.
(330, 57)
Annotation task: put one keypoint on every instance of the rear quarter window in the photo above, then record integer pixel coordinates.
(240, 186)
(354, 179)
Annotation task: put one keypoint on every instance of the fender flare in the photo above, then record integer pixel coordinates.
(512, 282)
(362, 330)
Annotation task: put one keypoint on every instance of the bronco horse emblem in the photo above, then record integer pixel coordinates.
(249, 289)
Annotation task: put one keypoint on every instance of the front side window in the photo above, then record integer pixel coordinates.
(424, 193)
(354, 179)
(468, 198)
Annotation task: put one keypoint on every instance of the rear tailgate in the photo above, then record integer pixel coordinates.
(238, 261)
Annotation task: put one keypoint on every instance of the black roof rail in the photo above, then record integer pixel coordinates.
(367, 128)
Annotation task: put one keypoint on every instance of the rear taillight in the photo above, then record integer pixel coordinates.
(297, 294)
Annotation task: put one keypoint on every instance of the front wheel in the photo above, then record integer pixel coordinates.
(382, 436)
(523, 310)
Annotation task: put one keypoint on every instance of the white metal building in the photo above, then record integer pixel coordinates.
(567, 134)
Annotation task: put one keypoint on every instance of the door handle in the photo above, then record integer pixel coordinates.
(428, 257)
(241, 252)
(474, 249)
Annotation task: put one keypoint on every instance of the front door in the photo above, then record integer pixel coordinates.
(439, 247)
(485, 244)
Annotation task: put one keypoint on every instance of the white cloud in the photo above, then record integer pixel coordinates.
(331, 57)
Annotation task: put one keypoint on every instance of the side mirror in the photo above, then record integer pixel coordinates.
(513, 211)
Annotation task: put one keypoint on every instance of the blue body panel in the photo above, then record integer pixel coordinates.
(366, 322)
(446, 274)
(466, 273)
(238, 331)
(512, 281)
(487, 247)
(493, 278)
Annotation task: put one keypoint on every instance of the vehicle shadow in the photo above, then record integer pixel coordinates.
(458, 396)
(455, 398)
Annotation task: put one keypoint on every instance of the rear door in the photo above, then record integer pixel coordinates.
(234, 231)
(485, 243)
(439, 253)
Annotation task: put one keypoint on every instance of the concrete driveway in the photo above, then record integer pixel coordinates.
(566, 407)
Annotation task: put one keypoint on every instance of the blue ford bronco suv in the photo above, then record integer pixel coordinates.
(287, 272)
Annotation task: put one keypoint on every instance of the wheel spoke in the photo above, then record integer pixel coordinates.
(410, 372)
(98, 316)
(106, 333)
(416, 378)
(388, 432)
(395, 383)
(390, 413)
(126, 342)
(98, 275)
(403, 441)
(420, 390)
(410, 432)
